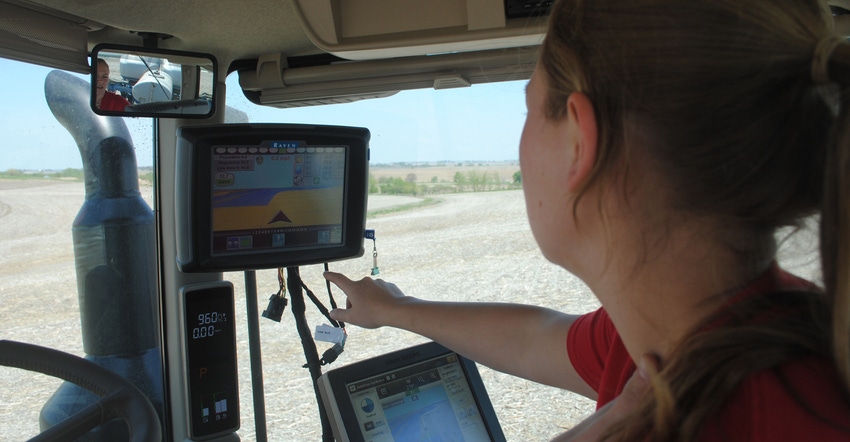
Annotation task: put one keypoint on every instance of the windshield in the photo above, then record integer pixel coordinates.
(445, 202)
(449, 217)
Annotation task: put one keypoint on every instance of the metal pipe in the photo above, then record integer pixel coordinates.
(256, 355)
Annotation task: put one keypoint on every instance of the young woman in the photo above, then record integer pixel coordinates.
(665, 144)
(104, 99)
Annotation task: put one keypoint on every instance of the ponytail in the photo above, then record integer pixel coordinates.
(835, 213)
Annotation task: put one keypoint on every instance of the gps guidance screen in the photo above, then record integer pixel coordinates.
(278, 195)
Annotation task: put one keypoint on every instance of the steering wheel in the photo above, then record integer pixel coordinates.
(118, 397)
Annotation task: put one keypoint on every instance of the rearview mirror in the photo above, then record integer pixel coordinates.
(140, 82)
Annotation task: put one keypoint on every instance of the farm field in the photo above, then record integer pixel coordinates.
(466, 246)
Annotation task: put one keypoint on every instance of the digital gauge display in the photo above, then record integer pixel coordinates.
(210, 342)
(208, 324)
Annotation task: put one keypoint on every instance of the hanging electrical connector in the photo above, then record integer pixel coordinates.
(332, 353)
(278, 301)
(370, 234)
(336, 335)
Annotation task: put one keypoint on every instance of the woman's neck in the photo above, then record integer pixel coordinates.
(657, 296)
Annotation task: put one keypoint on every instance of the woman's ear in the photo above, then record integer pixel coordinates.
(582, 117)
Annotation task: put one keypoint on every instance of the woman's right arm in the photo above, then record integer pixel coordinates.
(525, 341)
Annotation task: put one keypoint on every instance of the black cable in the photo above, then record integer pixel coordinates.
(324, 310)
(299, 310)
(331, 296)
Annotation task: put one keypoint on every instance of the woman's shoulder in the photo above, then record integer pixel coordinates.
(802, 399)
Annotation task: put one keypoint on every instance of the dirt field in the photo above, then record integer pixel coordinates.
(473, 246)
(468, 247)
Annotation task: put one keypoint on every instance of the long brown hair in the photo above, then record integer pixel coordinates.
(741, 130)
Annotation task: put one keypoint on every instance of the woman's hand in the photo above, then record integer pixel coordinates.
(592, 428)
(370, 301)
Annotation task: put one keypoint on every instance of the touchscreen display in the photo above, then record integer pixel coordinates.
(431, 400)
(277, 196)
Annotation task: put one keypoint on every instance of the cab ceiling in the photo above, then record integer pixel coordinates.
(395, 44)
(352, 29)
(220, 27)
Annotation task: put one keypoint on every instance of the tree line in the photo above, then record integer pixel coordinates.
(469, 181)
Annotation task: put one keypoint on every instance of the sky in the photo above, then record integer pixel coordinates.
(479, 123)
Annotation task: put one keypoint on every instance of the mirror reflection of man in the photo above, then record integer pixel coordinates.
(104, 99)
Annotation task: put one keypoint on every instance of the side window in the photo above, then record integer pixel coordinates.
(56, 256)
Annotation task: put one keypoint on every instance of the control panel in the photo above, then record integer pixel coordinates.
(209, 337)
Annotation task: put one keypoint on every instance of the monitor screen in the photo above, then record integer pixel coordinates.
(423, 393)
(268, 196)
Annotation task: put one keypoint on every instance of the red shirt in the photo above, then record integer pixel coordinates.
(761, 409)
(113, 102)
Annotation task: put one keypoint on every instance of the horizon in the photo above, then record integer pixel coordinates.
(395, 165)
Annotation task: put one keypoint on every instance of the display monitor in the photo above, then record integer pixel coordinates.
(257, 196)
(426, 392)
(210, 367)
